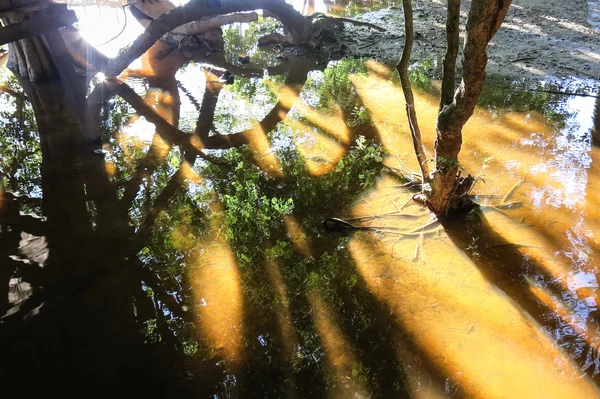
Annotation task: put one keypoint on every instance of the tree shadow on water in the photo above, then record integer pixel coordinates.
(339, 339)
(77, 329)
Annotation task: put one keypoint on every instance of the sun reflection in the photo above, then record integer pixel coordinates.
(215, 279)
(284, 314)
(342, 364)
(297, 236)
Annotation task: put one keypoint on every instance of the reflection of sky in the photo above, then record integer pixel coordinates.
(566, 162)
(567, 156)
(99, 24)
(302, 6)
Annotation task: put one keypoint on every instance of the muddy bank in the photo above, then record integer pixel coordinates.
(539, 38)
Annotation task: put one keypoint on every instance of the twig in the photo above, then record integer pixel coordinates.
(418, 246)
(523, 59)
(422, 228)
(494, 196)
(361, 23)
(383, 215)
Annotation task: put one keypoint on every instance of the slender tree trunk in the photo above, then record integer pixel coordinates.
(409, 99)
(596, 128)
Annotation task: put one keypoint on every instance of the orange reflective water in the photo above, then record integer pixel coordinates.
(499, 303)
(477, 305)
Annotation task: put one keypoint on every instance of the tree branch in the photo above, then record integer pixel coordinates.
(209, 104)
(407, 89)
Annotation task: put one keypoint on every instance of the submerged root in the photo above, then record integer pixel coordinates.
(410, 179)
(504, 204)
(387, 215)
(337, 224)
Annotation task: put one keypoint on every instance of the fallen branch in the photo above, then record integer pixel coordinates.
(523, 59)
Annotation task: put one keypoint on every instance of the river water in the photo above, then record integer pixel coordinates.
(130, 267)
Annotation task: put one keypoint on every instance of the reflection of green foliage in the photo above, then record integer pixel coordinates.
(251, 213)
(252, 89)
(335, 88)
(418, 74)
(504, 95)
(19, 142)
(242, 39)
(254, 206)
(245, 101)
(114, 117)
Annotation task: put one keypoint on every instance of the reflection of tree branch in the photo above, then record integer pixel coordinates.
(27, 223)
(170, 133)
(299, 68)
(167, 131)
(145, 168)
(160, 291)
(206, 24)
(161, 202)
(205, 120)
(187, 142)
(216, 61)
(196, 9)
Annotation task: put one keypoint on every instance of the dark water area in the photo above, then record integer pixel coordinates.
(192, 262)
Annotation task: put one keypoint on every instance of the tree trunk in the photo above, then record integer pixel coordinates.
(29, 57)
(448, 190)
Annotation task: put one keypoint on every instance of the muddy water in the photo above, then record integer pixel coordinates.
(131, 268)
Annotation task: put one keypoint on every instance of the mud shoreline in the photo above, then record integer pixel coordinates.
(540, 39)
